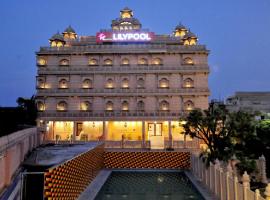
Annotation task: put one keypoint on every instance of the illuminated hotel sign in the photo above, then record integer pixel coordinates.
(124, 37)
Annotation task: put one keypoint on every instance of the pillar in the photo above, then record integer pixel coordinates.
(267, 192)
(143, 134)
(170, 134)
(246, 184)
(74, 132)
(104, 130)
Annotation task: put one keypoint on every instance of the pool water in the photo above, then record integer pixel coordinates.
(148, 185)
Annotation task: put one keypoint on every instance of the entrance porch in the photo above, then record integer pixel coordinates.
(122, 134)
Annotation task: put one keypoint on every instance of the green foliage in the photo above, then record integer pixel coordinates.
(17, 118)
(225, 134)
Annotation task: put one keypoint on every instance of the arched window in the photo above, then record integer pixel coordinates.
(188, 61)
(41, 62)
(188, 105)
(140, 105)
(93, 62)
(40, 83)
(143, 61)
(64, 62)
(124, 106)
(109, 106)
(86, 106)
(63, 84)
(188, 83)
(108, 62)
(109, 83)
(61, 106)
(40, 106)
(140, 83)
(163, 83)
(87, 83)
(125, 83)
(164, 105)
(125, 61)
(157, 61)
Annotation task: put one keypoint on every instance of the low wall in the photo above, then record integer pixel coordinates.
(147, 160)
(13, 149)
(69, 180)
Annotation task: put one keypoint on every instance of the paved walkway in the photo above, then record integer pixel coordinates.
(92, 190)
(207, 195)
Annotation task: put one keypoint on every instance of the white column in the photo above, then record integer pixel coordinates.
(170, 134)
(143, 134)
(104, 130)
(74, 131)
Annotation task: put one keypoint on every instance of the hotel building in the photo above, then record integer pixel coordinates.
(125, 83)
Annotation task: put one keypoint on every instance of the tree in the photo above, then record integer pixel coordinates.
(224, 134)
(29, 108)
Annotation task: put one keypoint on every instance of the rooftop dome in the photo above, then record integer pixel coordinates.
(58, 37)
(190, 35)
(180, 26)
(69, 29)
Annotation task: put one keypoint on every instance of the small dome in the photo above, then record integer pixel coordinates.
(58, 37)
(69, 29)
(190, 35)
(180, 27)
(126, 9)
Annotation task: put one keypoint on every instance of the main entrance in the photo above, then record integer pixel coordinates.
(155, 135)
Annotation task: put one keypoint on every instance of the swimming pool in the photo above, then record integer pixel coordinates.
(139, 185)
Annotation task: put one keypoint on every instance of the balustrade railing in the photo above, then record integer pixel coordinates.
(129, 68)
(223, 183)
(123, 90)
(100, 114)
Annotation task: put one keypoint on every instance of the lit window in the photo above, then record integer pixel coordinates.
(140, 83)
(164, 105)
(86, 106)
(109, 83)
(61, 106)
(164, 83)
(188, 105)
(87, 83)
(63, 84)
(108, 62)
(125, 61)
(93, 62)
(53, 44)
(42, 62)
(124, 106)
(40, 83)
(188, 83)
(125, 83)
(157, 61)
(188, 61)
(140, 105)
(64, 62)
(142, 61)
(40, 106)
(109, 106)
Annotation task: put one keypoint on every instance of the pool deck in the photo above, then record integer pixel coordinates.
(92, 190)
(207, 195)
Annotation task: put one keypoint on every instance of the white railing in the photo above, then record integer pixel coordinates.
(133, 144)
(223, 184)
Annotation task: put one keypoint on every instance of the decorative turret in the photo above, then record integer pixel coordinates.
(126, 21)
(180, 30)
(69, 33)
(126, 13)
(57, 40)
(190, 39)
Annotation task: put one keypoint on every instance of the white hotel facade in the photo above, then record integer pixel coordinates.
(122, 84)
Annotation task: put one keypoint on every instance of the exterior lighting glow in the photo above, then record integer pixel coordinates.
(124, 37)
